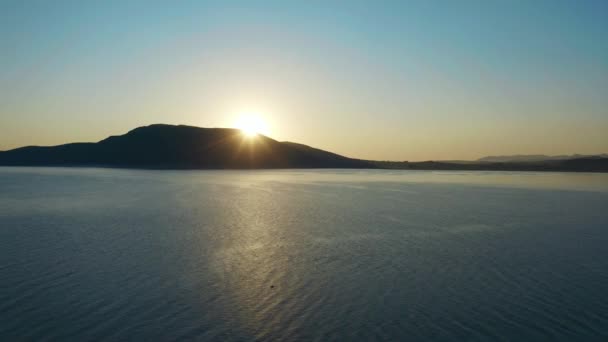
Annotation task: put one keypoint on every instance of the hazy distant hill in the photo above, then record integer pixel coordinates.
(536, 157)
(167, 146)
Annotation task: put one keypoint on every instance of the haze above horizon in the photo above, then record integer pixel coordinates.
(421, 80)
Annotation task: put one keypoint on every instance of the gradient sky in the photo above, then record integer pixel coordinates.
(398, 80)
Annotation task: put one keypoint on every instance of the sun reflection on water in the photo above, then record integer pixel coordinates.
(255, 264)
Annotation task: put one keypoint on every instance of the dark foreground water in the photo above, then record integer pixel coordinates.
(102, 254)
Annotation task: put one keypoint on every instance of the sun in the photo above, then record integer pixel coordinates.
(251, 125)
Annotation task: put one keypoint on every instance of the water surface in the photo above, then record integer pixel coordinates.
(107, 254)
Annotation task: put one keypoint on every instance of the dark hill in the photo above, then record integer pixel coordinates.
(187, 147)
(167, 146)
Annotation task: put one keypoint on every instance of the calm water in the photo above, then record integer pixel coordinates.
(102, 254)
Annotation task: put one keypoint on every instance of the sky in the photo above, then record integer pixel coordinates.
(387, 80)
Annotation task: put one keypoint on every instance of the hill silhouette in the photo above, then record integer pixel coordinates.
(187, 147)
(590, 164)
(168, 146)
(537, 157)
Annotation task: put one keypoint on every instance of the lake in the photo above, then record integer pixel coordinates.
(302, 255)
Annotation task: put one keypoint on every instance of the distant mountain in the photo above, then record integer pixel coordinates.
(168, 146)
(187, 147)
(536, 157)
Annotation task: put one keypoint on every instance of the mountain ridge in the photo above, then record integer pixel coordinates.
(181, 147)
(162, 146)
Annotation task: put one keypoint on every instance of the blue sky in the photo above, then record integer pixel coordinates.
(401, 80)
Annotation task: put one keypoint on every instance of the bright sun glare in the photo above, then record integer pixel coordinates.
(252, 125)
